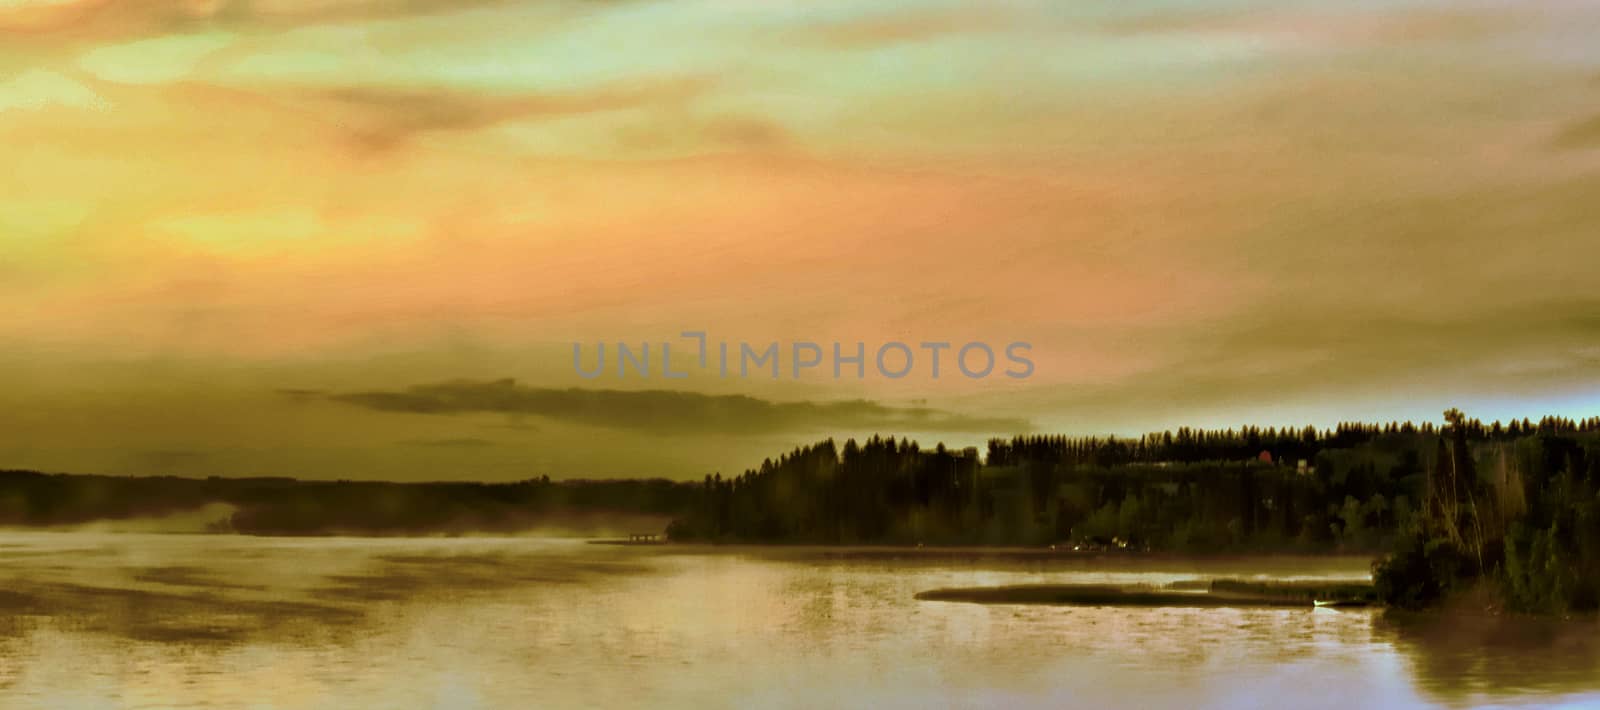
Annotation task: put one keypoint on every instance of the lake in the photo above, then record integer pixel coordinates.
(108, 620)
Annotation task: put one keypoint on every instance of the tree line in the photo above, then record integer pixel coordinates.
(286, 506)
(1509, 503)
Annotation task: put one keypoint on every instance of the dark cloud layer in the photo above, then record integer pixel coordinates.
(670, 412)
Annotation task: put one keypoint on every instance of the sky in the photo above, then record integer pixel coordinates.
(360, 239)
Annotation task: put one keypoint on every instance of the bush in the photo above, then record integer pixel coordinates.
(1419, 572)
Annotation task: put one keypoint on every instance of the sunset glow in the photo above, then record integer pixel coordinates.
(223, 219)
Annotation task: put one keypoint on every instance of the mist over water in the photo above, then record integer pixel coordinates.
(96, 620)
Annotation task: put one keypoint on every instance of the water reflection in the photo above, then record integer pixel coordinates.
(1464, 660)
(131, 620)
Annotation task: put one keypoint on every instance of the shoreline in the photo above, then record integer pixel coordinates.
(830, 550)
(869, 550)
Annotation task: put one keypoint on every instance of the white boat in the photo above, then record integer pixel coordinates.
(1339, 602)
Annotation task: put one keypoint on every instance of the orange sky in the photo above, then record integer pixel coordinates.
(223, 218)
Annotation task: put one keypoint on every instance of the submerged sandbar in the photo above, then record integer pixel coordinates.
(1192, 593)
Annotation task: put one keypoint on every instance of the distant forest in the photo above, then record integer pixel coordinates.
(285, 506)
(1514, 503)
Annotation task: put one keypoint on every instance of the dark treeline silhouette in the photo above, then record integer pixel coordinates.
(1188, 445)
(285, 506)
(1356, 487)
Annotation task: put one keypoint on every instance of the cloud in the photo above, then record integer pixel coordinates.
(670, 412)
(37, 89)
(1267, 358)
(385, 117)
(1584, 134)
(873, 31)
(665, 134)
(301, 395)
(1311, 23)
(119, 19)
(154, 61)
(452, 443)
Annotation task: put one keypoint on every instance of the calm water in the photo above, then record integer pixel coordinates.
(123, 620)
